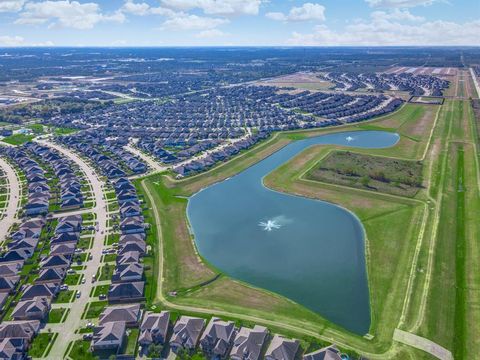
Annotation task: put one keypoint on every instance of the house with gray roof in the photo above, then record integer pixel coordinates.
(282, 348)
(126, 292)
(128, 272)
(33, 309)
(217, 339)
(48, 290)
(248, 343)
(154, 328)
(327, 353)
(19, 329)
(13, 349)
(129, 314)
(109, 336)
(186, 333)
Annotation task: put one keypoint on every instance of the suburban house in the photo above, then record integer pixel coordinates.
(126, 292)
(154, 328)
(128, 272)
(19, 329)
(217, 338)
(33, 309)
(248, 343)
(13, 348)
(186, 333)
(129, 314)
(282, 349)
(327, 353)
(72, 223)
(109, 336)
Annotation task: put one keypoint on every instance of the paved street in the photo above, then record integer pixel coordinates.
(74, 321)
(9, 214)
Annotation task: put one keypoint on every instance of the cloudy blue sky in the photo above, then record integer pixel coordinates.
(238, 22)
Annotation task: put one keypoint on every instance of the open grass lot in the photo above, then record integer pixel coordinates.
(17, 139)
(393, 176)
(401, 235)
(452, 300)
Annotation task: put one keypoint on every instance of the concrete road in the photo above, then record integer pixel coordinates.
(9, 214)
(421, 343)
(73, 322)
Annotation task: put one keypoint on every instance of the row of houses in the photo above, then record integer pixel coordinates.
(94, 147)
(17, 334)
(128, 283)
(127, 280)
(69, 184)
(39, 286)
(218, 339)
(415, 84)
(38, 196)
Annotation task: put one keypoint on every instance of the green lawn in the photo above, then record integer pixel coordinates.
(80, 350)
(106, 272)
(65, 296)
(95, 308)
(40, 344)
(55, 315)
(131, 346)
(18, 139)
(100, 289)
(72, 279)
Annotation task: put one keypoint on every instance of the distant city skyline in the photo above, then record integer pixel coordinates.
(239, 23)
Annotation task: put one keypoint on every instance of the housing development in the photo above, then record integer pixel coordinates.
(239, 203)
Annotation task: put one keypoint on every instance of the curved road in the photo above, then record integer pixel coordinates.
(73, 321)
(9, 214)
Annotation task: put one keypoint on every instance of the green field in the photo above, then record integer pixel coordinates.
(17, 139)
(401, 233)
(392, 176)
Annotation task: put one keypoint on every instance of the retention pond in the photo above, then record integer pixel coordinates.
(309, 251)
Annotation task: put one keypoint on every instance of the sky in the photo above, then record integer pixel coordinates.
(239, 22)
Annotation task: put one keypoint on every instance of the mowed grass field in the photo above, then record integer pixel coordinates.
(399, 232)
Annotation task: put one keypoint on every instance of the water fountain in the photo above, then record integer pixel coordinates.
(269, 225)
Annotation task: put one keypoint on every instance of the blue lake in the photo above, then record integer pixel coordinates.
(307, 250)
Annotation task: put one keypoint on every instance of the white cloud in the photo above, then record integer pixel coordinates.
(307, 11)
(7, 40)
(208, 34)
(217, 7)
(66, 13)
(11, 40)
(377, 32)
(143, 9)
(396, 14)
(192, 22)
(11, 5)
(400, 3)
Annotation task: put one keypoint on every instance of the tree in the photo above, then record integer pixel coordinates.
(365, 180)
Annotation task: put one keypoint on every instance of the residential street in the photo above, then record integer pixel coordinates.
(74, 321)
(9, 214)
